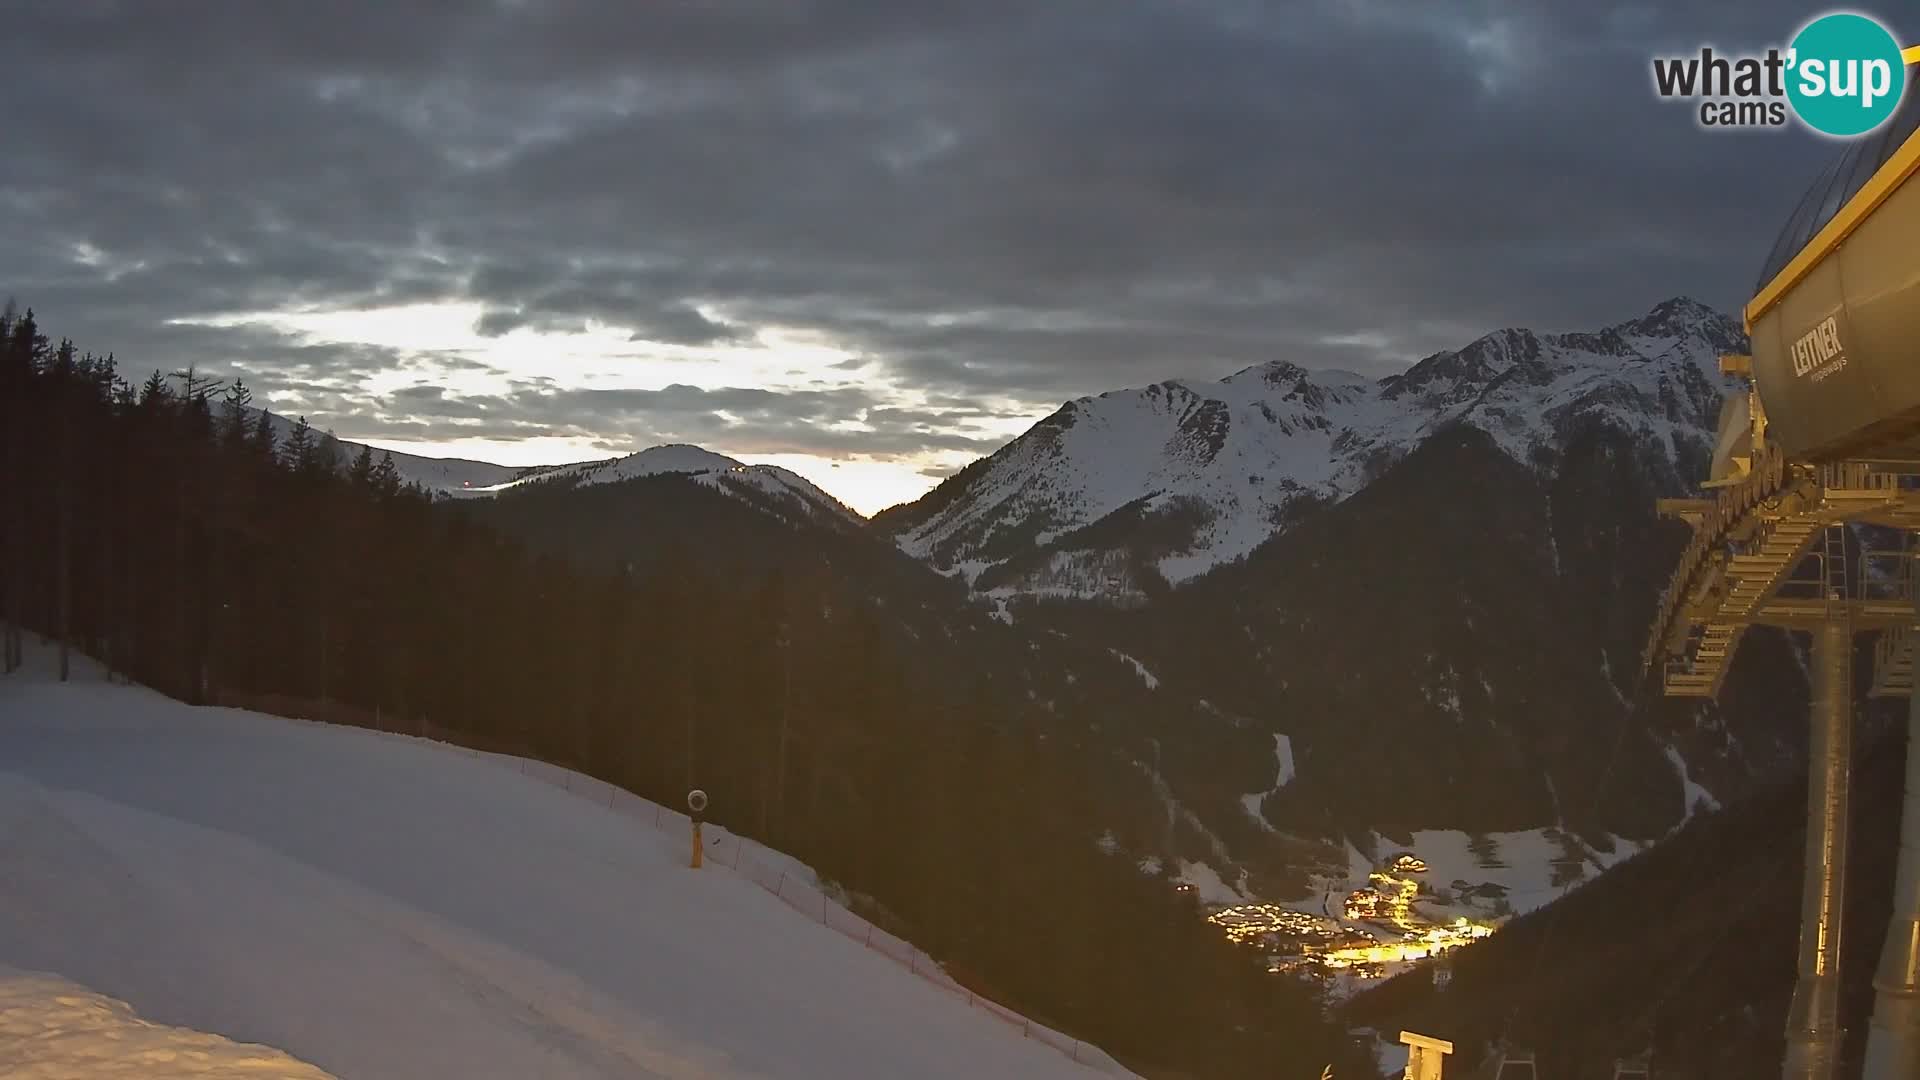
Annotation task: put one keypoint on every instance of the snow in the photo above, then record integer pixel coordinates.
(1208, 885)
(1695, 795)
(717, 471)
(52, 1029)
(479, 479)
(1138, 669)
(452, 475)
(1283, 755)
(1391, 1056)
(1239, 451)
(1252, 805)
(1522, 862)
(1178, 813)
(1358, 865)
(386, 907)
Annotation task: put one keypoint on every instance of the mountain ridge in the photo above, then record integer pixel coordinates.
(1209, 470)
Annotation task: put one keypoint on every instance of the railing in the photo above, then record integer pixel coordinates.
(1724, 510)
(1889, 650)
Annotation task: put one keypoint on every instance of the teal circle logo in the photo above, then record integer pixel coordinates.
(1845, 76)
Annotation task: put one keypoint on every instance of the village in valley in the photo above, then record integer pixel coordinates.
(1397, 918)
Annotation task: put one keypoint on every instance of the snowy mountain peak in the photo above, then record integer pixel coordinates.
(1673, 317)
(1172, 479)
(680, 457)
(1271, 373)
(780, 491)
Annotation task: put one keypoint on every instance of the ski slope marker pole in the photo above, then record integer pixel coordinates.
(696, 802)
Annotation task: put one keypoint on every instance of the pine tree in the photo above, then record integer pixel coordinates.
(194, 386)
(297, 455)
(233, 415)
(327, 455)
(155, 393)
(19, 362)
(67, 391)
(386, 475)
(264, 439)
(361, 474)
(12, 461)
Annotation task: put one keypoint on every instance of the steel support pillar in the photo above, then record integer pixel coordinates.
(1813, 1020)
(1893, 1043)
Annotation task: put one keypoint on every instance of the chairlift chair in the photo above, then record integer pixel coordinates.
(1515, 1064)
(1632, 1068)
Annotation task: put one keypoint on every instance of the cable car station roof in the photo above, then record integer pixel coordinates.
(1841, 199)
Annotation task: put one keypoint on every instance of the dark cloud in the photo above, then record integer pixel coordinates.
(999, 204)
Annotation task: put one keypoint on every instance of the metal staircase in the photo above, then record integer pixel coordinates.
(1893, 664)
(1751, 538)
(1765, 569)
(1773, 551)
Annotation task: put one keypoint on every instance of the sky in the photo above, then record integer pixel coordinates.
(870, 240)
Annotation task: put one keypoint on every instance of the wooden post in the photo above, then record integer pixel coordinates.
(696, 844)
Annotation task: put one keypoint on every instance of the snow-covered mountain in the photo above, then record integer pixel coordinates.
(434, 474)
(779, 490)
(1173, 479)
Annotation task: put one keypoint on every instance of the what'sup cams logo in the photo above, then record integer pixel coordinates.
(1843, 75)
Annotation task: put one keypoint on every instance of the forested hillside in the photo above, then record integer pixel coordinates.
(161, 530)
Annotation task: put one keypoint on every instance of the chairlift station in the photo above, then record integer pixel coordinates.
(1825, 440)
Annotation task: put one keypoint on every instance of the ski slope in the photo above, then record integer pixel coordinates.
(52, 1029)
(383, 907)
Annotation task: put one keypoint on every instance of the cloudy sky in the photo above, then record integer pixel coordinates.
(867, 239)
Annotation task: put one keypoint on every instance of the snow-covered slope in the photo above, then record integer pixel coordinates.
(1185, 475)
(778, 490)
(434, 474)
(52, 1029)
(383, 907)
(768, 485)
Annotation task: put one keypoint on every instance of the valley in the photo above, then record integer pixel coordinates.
(1253, 742)
(1399, 723)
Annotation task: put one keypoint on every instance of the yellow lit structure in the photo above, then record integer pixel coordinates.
(1311, 942)
(1826, 436)
(1425, 1056)
(1427, 943)
(1247, 923)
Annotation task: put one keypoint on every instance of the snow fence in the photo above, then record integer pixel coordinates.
(795, 884)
